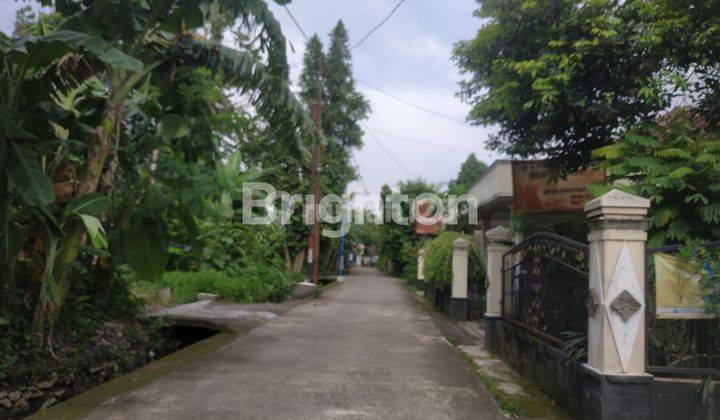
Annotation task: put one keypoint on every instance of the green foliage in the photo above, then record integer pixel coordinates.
(392, 236)
(186, 285)
(344, 105)
(257, 283)
(562, 78)
(676, 165)
(121, 113)
(409, 259)
(148, 247)
(470, 172)
(707, 259)
(228, 244)
(438, 260)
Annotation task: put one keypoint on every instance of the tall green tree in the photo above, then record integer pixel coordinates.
(561, 78)
(343, 108)
(346, 106)
(635, 81)
(470, 172)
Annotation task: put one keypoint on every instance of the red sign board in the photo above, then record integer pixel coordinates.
(534, 192)
(425, 210)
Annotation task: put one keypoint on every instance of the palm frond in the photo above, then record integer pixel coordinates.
(271, 95)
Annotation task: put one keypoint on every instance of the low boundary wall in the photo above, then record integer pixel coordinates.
(586, 394)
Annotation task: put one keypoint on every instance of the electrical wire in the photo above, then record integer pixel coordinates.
(420, 107)
(362, 180)
(390, 155)
(296, 23)
(382, 22)
(423, 143)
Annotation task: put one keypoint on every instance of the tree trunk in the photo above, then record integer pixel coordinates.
(46, 315)
(288, 259)
(299, 259)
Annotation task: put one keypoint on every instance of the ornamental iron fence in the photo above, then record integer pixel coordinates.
(544, 287)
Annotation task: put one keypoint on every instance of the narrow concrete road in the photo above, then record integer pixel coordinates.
(366, 350)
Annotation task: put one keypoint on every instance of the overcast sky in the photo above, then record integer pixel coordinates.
(408, 57)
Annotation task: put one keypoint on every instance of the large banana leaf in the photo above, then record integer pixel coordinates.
(271, 95)
(38, 52)
(27, 177)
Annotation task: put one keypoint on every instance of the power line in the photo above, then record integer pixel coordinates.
(382, 22)
(390, 155)
(420, 107)
(438, 146)
(367, 192)
(296, 23)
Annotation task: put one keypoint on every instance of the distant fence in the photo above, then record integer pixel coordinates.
(678, 347)
(545, 283)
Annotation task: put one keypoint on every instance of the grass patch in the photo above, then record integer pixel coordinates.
(266, 285)
(319, 291)
(507, 403)
(411, 288)
(533, 404)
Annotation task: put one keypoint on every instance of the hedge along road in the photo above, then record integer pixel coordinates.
(365, 350)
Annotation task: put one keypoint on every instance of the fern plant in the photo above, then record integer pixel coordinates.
(675, 163)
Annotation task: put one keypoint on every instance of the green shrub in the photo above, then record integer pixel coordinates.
(438, 260)
(256, 283)
(409, 257)
(186, 285)
(381, 263)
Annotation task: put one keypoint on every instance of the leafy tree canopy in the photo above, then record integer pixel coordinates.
(470, 172)
(562, 78)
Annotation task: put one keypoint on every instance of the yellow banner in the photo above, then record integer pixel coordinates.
(677, 289)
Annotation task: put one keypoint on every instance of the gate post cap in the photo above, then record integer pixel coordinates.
(499, 234)
(460, 244)
(422, 251)
(618, 203)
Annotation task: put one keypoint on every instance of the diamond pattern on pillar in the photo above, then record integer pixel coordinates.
(626, 303)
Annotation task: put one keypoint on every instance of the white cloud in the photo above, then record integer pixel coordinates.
(421, 47)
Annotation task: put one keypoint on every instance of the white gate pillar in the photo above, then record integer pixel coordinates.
(421, 265)
(616, 306)
(616, 296)
(498, 243)
(459, 299)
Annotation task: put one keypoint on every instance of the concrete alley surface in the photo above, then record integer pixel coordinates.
(366, 350)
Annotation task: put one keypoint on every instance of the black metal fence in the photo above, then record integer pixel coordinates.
(678, 347)
(545, 282)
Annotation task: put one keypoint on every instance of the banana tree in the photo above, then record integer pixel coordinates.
(32, 127)
(129, 46)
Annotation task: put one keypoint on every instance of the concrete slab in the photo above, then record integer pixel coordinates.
(223, 316)
(303, 290)
(475, 351)
(511, 388)
(206, 296)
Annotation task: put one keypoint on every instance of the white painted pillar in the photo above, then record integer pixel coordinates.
(458, 301)
(460, 250)
(499, 242)
(616, 295)
(421, 265)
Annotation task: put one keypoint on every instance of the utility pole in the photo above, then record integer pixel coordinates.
(314, 252)
(341, 251)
